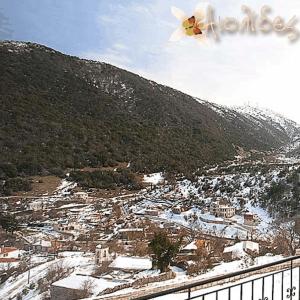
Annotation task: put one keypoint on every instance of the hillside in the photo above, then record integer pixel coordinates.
(268, 119)
(59, 111)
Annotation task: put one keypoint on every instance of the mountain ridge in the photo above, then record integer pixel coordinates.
(62, 111)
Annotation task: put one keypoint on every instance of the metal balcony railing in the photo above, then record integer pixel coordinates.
(274, 281)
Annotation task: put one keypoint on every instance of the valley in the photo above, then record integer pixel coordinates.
(221, 207)
(111, 183)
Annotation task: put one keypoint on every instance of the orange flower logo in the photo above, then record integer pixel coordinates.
(193, 26)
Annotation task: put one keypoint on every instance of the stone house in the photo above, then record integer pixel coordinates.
(152, 212)
(81, 196)
(250, 219)
(240, 249)
(131, 233)
(177, 210)
(42, 247)
(46, 247)
(192, 248)
(222, 209)
(69, 227)
(36, 205)
(102, 254)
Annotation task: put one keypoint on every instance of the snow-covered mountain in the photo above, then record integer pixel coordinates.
(263, 115)
(287, 126)
(277, 125)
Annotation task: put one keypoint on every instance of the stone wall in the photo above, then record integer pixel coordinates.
(62, 293)
(221, 222)
(140, 282)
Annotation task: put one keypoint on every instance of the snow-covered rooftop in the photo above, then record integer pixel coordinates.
(190, 246)
(131, 263)
(238, 249)
(43, 243)
(131, 229)
(75, 281)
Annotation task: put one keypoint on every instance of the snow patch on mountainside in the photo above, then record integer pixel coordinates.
(20, 47)
(276, 124)
(291, 128)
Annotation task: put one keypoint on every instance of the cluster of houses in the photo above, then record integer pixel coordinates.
(132, 265)
(116, 264)
(192, 249)
(221, 209)
(81, 223)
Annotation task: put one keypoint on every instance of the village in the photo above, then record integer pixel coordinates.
(74, 242)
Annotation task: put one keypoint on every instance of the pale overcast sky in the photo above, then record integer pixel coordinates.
(134, 34)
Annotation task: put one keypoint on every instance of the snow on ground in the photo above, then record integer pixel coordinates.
(147, 273)
(5, 266)
(71, 205)
(76, 281)
(264, 114)
(265, 219)
(247, 288)
(154, 178)
(235, 292)
(64, 186)
(289, 160)
(14, 285)
(222, 269)
(242, 190)
(230, 231)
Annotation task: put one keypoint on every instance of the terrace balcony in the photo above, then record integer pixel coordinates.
(274, 281)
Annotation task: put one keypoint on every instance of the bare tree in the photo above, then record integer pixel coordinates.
(117, 211)
(140, 248)
(101, 269)
(55, 272)
(286, 239)
(86, 289)
(116, 246)
(216, 247)
(201, 262)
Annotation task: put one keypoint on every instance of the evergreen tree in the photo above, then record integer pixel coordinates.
(9, 223)
(163, 250)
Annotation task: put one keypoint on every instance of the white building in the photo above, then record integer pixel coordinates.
(81, 195)
(251, 219)
(240, 249)
(222, 210)
(102, 254)
(42, 246)
(10, 252)
(36, 205)
(195, 246)
(69, 227)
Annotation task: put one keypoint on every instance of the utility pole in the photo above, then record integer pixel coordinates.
(28, 276)
(28, 279)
